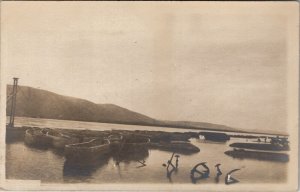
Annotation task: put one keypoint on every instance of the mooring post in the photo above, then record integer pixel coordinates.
(13, 103)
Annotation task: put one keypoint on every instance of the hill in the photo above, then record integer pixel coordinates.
(38, 103)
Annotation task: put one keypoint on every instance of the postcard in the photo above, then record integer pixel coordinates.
(156, 96)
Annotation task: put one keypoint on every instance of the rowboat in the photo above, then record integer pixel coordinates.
(261, 146)
(60, 140)
(87, 152)
(259, 155)
(35, 137)
(134, 143)
(115, 142)
(182, 147)
(131, 147)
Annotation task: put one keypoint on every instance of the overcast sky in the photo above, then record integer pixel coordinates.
(217, 63)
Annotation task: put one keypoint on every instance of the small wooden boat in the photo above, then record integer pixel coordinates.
(132, 143)
(35, 137)
(60, 140)
(182, 147)
(261, 146)
(259, 155)
(87, 152)
(115, 141)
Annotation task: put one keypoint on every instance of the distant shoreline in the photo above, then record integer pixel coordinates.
(166, 126)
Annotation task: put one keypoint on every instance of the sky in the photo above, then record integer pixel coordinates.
(221, 63)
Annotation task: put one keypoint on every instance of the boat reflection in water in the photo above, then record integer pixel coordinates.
(83, 159)
(130, 148)
(127, 156)
(74, 172)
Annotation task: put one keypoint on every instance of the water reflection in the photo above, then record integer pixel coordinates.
(79, 172)
(72, 172)
(139, 155)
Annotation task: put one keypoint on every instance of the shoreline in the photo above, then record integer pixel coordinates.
(168, 126)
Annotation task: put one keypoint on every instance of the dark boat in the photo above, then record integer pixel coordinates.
(261, 146)
(60, 140)
(82, 172)
(182, 147)
(132, 143)
(213, 136)
(258, 155)
(15, 134)
(35, 137)
(87, 152)
(115, 142)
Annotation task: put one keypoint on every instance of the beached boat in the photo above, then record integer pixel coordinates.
(87, 152)
(259, 155)
(60, 140)
(261, 146)
(35, 137)
(182, 147)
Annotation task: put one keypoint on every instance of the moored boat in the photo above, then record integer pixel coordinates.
(261, 146)
(115, 141)
(87, 152)
(60, 140)
(132, 143)
(259, 155)
(35, 137)
(182, 147)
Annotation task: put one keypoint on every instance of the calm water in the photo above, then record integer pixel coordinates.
(23, 162)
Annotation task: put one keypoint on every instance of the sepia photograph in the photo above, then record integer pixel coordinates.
(149, 96)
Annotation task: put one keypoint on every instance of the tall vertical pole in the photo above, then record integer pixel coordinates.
(11, 106)
(13, 103)
(15, 99)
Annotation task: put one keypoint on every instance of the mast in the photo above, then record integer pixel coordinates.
(13, 103)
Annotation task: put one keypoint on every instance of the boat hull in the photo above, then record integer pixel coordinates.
(178, 147)
(37, 139)
(260, 146)
(258, 155)
(59, 142)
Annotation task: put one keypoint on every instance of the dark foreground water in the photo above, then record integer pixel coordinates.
(23, 162)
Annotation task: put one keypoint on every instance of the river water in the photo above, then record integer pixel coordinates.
(26, 163)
